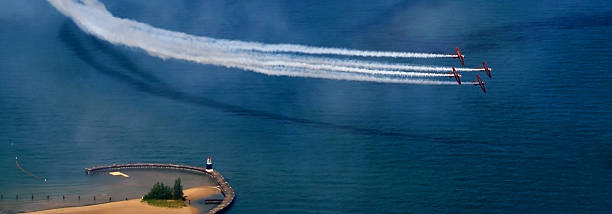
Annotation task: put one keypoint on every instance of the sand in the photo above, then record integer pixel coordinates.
(137, 207)
(119, 174)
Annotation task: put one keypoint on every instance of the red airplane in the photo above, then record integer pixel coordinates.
(485, 68)
(459, 56)
(457, 76)
(480, 83)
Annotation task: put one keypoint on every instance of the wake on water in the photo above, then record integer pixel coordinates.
(270, 59)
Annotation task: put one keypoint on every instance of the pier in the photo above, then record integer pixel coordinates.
(226, 189)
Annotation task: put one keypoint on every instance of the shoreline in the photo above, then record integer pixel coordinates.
(223, 185)
(137, 207)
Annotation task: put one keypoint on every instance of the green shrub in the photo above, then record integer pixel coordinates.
(162, 192)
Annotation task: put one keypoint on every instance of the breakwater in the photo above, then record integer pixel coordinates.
(226, 189)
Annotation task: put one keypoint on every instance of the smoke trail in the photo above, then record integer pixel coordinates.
(279, 48)
(300, 72)
(92, 17)
(290, 48)
(375, 65)
(337, 66)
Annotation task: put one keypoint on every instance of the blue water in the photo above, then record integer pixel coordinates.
(537, 141)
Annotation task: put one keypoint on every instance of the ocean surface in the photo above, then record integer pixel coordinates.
(537, 142)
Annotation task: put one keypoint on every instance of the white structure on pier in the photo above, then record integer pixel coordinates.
(209, 167)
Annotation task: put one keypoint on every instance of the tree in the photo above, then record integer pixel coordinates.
(178, 189)
(163, 192)
(159, 191)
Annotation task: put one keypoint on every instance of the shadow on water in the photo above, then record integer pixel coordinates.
(131, 75)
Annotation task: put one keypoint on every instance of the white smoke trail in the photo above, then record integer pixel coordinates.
(375, 65)
(335, 67)
(290, 48)
(278, 70)
(315, 71)
(92, 17)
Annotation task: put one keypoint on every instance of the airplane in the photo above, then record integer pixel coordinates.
(485, 69)
(480, 83)
(459, 56)
(456, 75)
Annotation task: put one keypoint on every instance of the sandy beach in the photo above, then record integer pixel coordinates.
(137, 207)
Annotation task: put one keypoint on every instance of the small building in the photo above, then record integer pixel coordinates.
(209, 167)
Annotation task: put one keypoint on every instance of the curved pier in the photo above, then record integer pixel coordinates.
(226, 189)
